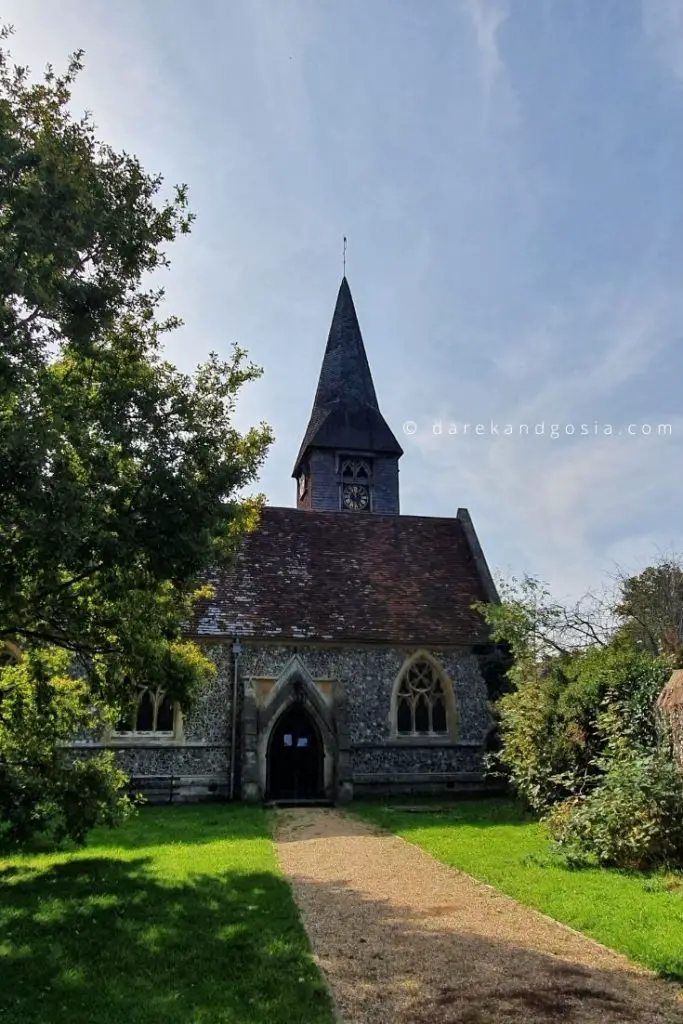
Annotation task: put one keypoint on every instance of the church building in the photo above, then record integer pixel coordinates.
(348, 653)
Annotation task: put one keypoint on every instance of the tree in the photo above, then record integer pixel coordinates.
(579, 694)
(650, 607)
(120, 476)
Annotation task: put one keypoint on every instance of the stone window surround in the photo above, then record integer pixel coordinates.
(133, 737)
(452, 716)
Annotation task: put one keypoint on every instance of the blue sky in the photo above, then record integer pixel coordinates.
(509, 176)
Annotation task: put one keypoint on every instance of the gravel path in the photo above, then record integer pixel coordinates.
(407, 940)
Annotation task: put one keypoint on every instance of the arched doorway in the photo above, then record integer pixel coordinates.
(295, 756)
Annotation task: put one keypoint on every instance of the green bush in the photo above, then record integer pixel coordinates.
(568, 718)
(546, 752)
(46, 793)
(633, 819)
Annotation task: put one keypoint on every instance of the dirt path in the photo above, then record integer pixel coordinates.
(407, 940)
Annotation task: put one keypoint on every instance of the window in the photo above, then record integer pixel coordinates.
(154, 714)
(421, 701)
(355, 484)
(355, 471)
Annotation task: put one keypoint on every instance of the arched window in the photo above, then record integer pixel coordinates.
(355, 470)
(421, 700)
(154, 713)
(355, 490)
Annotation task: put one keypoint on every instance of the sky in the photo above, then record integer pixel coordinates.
(509, 178)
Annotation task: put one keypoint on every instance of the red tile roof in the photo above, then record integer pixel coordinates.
(340, 576)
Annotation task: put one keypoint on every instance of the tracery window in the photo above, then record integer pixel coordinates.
(421, 708)
(154, 713)
(355, 484)
(355, 471)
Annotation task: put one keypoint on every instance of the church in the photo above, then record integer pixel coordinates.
(349, 656)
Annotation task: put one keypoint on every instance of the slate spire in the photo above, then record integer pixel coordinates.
(345, 412)
(345, 373)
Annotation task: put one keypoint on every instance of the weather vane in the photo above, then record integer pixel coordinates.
(344, 256)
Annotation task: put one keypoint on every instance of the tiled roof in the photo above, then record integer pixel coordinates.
(345, 410)
(349, 577)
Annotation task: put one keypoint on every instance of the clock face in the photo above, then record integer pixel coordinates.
(355, 497)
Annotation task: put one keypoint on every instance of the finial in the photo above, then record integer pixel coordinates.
(344, 255)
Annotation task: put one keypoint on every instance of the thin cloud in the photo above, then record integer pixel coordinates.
(486, 17)
(663, 28)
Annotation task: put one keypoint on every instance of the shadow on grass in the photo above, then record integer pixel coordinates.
(106, 940)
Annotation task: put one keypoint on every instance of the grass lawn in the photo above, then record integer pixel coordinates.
(640, 915)
(182, 915)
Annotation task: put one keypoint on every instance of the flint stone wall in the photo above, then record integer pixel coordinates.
(197, 765)
(366, 675)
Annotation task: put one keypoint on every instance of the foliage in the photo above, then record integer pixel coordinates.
(544, 751)
(498, 842)
(632, 820)
(650, 608)
(42, 793)
(125, 473)
(571, 708)
(630, 681)
(180, 915)
(535, 627)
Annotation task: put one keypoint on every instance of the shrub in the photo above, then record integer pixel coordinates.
(633, 819)
(569, 717)
(46, 793)
(539, 753)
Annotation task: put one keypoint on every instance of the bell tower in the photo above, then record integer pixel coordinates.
(348, 460)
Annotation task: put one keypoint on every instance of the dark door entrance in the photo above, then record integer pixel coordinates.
(295, 757)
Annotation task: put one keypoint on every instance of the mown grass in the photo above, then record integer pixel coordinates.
(182, 915)
(640, 915)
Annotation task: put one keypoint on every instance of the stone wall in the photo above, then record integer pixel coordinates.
(196, 765)
(380, 761)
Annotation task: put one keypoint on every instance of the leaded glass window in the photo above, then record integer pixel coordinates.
(421, 702)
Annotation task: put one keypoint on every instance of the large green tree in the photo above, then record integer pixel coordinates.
(120, 476)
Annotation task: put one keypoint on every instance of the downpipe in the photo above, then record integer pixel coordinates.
(236, 651)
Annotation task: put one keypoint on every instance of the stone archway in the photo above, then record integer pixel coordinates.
(295, 756)
(295, 685)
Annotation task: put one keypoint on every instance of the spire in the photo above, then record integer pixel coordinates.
(345, 374)
(345, 411)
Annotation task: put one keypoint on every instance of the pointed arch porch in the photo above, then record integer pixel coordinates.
(294, 687)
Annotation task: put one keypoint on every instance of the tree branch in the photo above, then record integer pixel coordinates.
(56, 639)
(22, 323)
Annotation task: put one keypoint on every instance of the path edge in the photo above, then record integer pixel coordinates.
(303, 918)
